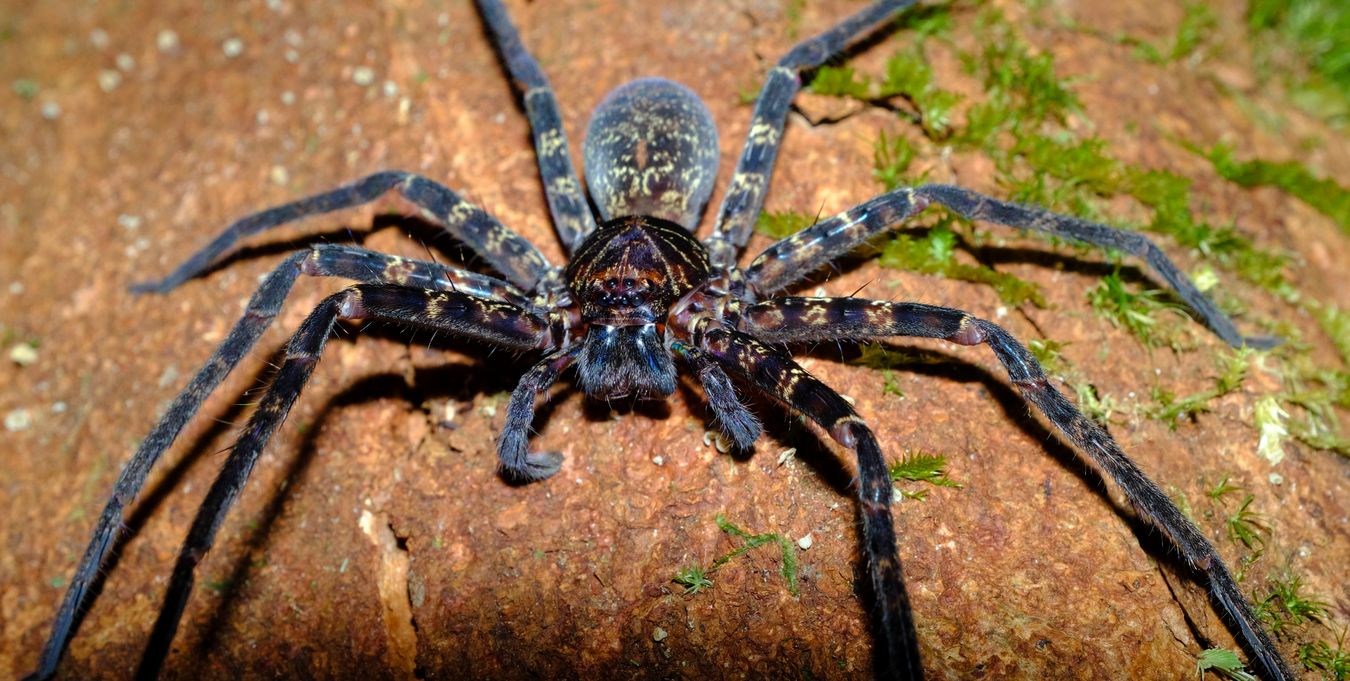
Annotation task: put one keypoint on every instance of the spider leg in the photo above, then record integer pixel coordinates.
(571, 214)
(793, 258)
(322, 260)
(500, 324)
(817, 319)
(734, 418)
(517, 463)
(506, 251)
(745, 194)
(774, 373)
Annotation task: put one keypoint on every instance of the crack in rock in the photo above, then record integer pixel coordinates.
(393, 583)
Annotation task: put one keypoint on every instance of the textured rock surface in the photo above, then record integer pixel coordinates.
(375, 539)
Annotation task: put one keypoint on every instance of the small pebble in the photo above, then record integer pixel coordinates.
(15, 288)
(232, 47)
(280, 176)
(390, 88)
(18, 420)
(1276, 479)
(659, 634)
(658, 460)
(167, 40)
(806, 542)
(58, 407)
(98, 38)
(129, 222)
(23, 354)
(108, 80)
(125, 62)
(363, 75)
(51, 110)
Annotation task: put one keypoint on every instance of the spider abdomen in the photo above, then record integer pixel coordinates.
(651, 149)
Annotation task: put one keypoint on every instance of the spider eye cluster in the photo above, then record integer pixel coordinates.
(631, 270)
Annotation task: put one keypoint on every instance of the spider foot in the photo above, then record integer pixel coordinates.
(152, 286)
(535, 467)
(1262, 342)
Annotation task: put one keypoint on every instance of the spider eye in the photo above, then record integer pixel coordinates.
(629, 283)
(611, 283)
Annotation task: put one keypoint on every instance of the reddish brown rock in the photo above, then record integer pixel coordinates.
(1031, 570)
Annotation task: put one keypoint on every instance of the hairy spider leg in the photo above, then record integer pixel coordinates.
(778, 376)
(733, 417)
(500, 324)
(517, 462)
(793, 258)
(745, 194)
(324, 261)
(571, 215)
(797, 319)
(506, 251)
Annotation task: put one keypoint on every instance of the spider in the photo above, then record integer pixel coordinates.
(640, 300)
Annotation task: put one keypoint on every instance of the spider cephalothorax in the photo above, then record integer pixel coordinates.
(640, 299)
(624, 278)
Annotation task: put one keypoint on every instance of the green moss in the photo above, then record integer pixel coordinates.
(784, 224)
(1097, 406)
(921, 467)
(1336, 324)
(1323, 195)
(1197, 22)
(890, 383)
(1047, 352)
(1304, 42)
(891, 157)
(1223, 662)
(752, 541)
(25, 88)
(1136, 311)
(693, 578)
(1332, 661)
(1247, 527)
(907, 75)
(1017, 81)
(1286, 604)
(934, 253)
(1171, 408)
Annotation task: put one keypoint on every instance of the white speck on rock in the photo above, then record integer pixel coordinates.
(363, 75)
(232, 47)
(1276, 479)
(98, 38)
(129, 222)
(23, 354)
(659, 634)
(166, 40)
(51, 110)
(125, 62)
(108, 80)
(280, 176)
(806, 542)
(658, 460)
(17, 420)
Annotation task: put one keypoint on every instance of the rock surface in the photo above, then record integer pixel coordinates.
(376, 541)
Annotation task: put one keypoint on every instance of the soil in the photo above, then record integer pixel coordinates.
(375, 539)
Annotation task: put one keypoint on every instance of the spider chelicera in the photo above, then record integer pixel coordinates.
(640, 299)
